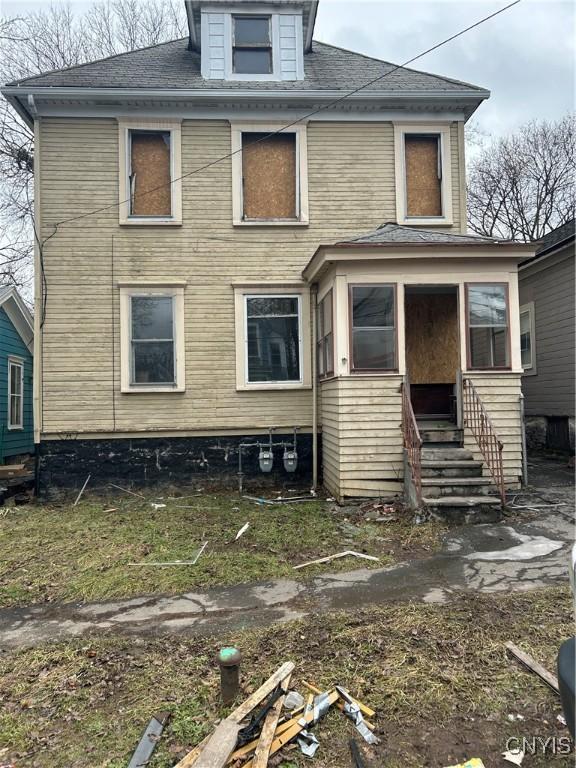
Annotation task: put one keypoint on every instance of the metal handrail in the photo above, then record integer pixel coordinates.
(477, 419)
(412, 440)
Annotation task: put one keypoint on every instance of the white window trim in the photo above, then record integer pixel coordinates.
(529, 307)
(174, 128)
(237, 129)
(15, 362)
(158, 288)
(279, 290)
(443, 131)
(229, 73)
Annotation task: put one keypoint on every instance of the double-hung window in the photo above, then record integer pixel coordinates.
(152, 345)
(325, 345)
(150, 172)
(488, 326)
(252, 45)
(269, 175)
(373, 327)
(527, 337)
(272, 337)
(15, 394)
(423, 174)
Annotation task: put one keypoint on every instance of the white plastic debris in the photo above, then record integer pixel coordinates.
(561, 719)
(293, 700)
(308, 743)
(514, 756)
(157, 506)
(242, 531)
(512, 717)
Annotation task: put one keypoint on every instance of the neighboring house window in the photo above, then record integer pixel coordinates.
(488, 326)
(270, 332)
(373, 327)
(423, 170)
(325, 346)
(269, 175)
(527, 337)
(150, 172)
(152, 340)
(15, 394)
(251, 45)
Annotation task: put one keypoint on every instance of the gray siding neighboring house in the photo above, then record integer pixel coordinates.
(547, 297)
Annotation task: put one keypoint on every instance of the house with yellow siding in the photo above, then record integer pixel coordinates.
(253, 262)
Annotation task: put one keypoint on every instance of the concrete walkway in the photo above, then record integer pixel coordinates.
(483, 558)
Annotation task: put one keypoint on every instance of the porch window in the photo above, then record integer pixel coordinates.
(273, 339)
(252, 45)
(152, 338)
(325, 346)
(488, 326)
(15, 394)
(527, 336)
(373, 327)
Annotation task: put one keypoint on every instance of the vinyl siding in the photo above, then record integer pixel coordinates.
(351, 190)
(14, 441)
(550, 285)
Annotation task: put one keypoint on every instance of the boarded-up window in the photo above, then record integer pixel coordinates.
(423, 175)
(150, 188)
(269, 176)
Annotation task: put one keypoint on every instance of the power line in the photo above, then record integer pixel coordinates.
(297, 121)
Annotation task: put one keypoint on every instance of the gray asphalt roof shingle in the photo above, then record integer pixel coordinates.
(390, 232)
(558, 235)
(172, 65)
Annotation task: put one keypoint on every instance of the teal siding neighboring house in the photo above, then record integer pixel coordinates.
(16, 372)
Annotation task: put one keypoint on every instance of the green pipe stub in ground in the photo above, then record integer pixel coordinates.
(229, 656)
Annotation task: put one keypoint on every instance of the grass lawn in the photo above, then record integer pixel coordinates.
(438, 676)
(58, 552)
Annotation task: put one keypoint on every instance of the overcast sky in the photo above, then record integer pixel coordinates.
(525, 56)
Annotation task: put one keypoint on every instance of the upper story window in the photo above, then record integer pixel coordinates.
(423, 174)
(251, 45)
(150, 172)
(269, 174)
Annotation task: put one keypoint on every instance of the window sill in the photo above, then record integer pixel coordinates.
(153, 389)
(151, 222)
(271, 222)
(375, 372)
(16, 429)
(529, 372)
(427, 221)
(270, 385)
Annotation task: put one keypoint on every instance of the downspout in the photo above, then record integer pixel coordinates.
(314, 297)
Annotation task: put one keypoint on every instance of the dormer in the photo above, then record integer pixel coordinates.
(251, 41)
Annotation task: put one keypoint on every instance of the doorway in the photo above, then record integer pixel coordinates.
(432, 348)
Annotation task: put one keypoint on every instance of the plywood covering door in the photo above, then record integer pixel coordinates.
(432, 343)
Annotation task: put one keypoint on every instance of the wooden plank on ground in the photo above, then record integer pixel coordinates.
(534, 666)
(269, 728)
(216, 756)
(147, 743)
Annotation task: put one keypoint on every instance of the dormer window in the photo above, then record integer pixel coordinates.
(252, 45)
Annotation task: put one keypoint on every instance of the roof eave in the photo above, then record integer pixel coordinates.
(513, 250)
(550, 251)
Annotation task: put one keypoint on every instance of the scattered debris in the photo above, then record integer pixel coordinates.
(561, 719)
(357, 760)
(82, 490)
(176, 562)
(534, 666)
(157, 506)
(132, 493)
(474, 762)
(242, 531)
(512, 717)
(347, 553)
(279, 500)
(112, 509)
(149, 739)
(269, 730)
(514, 756)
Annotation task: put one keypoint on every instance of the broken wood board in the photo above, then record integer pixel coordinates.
(251, 746)
(262, 752)
(147, 743)
(534, 666)
(347, 553)
(219, 757)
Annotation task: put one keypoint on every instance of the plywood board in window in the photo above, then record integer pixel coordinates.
(150, 169)
(423, 185)
(432, 344)
(269, 176)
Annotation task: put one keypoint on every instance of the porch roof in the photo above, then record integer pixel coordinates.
(392, 240)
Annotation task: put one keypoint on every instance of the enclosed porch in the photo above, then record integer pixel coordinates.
(418, 360)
